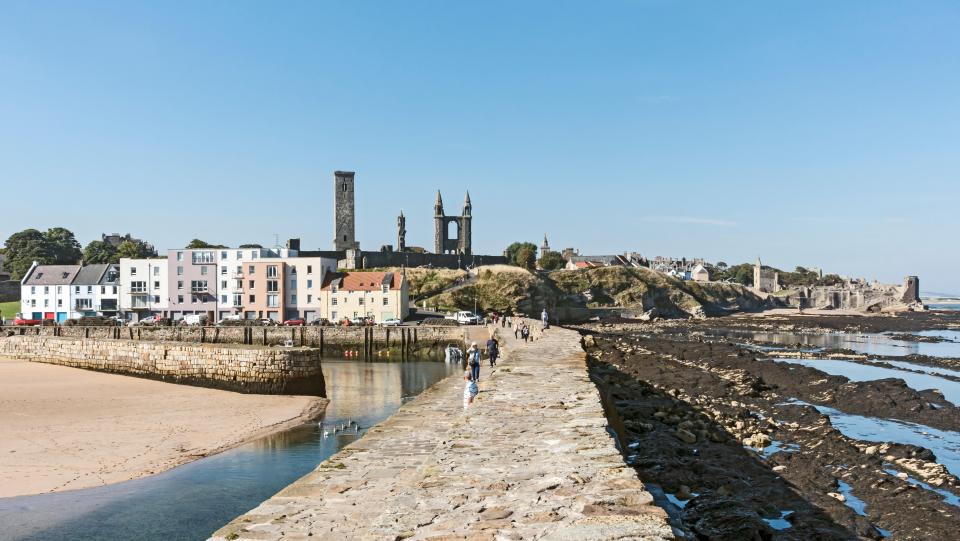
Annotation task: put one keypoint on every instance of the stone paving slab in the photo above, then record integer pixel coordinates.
(530, 459)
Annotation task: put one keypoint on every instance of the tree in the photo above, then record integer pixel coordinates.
(135, 250)
(526, 257)
(514, 249)
(63, 246)
(197, 243)
(551, 261)
(250, 246)
(721, 265)
(23, 248)
(98, 251)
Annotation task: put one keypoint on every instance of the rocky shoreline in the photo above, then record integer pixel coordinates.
(731, 438)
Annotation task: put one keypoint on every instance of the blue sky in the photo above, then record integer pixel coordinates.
(808, 133)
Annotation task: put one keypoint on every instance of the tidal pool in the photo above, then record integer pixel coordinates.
(881, 344)
(194, 500)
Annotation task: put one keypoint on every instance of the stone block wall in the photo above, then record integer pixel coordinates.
(368, 342)
(245, 369)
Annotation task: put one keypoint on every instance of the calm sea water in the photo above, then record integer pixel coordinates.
(194, 500)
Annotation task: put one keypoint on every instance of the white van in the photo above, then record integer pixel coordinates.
(194, 319)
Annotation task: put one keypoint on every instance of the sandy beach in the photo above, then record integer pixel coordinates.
(64, 428)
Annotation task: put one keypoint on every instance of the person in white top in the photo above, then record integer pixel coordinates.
(470, 389)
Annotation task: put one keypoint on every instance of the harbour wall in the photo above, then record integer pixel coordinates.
(240, 368)
(362, 342)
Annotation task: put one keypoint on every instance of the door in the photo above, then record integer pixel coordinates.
(309, 315)
(61, 317)
(37, 315)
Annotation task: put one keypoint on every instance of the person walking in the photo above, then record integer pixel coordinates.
(516, 330)
(473, 360)
(493, 351)
(545, 319)
(470, 390)
(525, 333)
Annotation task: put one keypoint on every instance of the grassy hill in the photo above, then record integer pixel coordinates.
(574, 294)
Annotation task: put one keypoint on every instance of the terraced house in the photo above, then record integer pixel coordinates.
(96, 291)
(377, 295)
(46, 292)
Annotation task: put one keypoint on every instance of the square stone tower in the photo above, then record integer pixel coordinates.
(344, 215)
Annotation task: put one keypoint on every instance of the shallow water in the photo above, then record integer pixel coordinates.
(853, 502)
(945, 444)
(865, 372)
(868, 344)
(194, 500)
(780, 523)
(948, 497)
(922, 367)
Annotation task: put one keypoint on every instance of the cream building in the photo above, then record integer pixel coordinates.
(378, 295)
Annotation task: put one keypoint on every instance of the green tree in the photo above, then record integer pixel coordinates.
(514, 249)
(197, 243)
(23, 248)
(250, 246)
(135, 250)
(526, 257)
(551, 261)
(63, 246)
(98, 251)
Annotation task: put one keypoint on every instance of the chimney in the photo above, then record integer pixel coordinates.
(293, 244)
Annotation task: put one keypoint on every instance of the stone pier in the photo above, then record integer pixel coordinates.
(530, 459)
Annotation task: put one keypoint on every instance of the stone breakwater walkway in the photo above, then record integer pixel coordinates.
(530, 459)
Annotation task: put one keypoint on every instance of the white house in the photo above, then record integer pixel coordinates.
(143, 288)
(377, 295)
(700, 273)
(95, 291)
(46, 293)
(305, 279)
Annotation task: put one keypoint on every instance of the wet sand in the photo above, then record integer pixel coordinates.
(64, 428)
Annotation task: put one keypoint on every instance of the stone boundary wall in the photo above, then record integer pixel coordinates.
(366, 342)
(245, 369)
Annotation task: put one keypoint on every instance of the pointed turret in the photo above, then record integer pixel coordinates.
(438, 205)
(467, 205)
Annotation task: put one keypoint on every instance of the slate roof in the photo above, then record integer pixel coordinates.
(90, 275)
(363, 281)
(52, 275)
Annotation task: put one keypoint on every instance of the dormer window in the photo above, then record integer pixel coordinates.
(39, 275)
(333, 288)
(385, 288)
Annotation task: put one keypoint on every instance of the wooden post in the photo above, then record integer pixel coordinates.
(216, 335)
(302, 337)
(321, 341)
(264, 336)
(203, 334)
(86, 332)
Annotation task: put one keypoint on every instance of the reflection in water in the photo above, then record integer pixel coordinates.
(193, 500)
(869, 344)
(867, 372)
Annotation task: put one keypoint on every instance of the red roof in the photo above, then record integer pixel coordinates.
(363, 281)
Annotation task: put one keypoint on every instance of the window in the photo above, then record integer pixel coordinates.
(333, 316)
(309, 284)
(180, 284)
(223, 255)
(239, 254)
(195, 299)
(76, 289)
(309, 299)
(386, 301)
(293, 269)
(179, 256)
(179, 271)
(293, 298)
(333, 288)
(272, 301)
(253, 299)
(239, 269)
(223, 270)
(133, 271)
(89, 289)
(138, 287)
(33, 290)
(223, 299)
(223, 285)
(253, 255)
(251, 284)
(84, 304)
(271, 271)
(103, 290)
(360, 301)
(59, 303)
(33, 303)
(156, 298)
(114, 290)
(293, 284)
(251, 269)
(156, 285)
(46, 303)
(273, 285)
(46, 290)
(59, 290)
(203, 271)
(385, 288)
(179, 299)
(309, 269)
(156, 271)
(205, 256)
(198, 286)
(237, 299)
(334, 301)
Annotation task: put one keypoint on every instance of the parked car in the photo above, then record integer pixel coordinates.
(229, 320)
(149, 320)
(193, 319)
(22, 321)
(320, 322)
(266, 322)
(392, 322)
(466, 318)
(295, 322)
